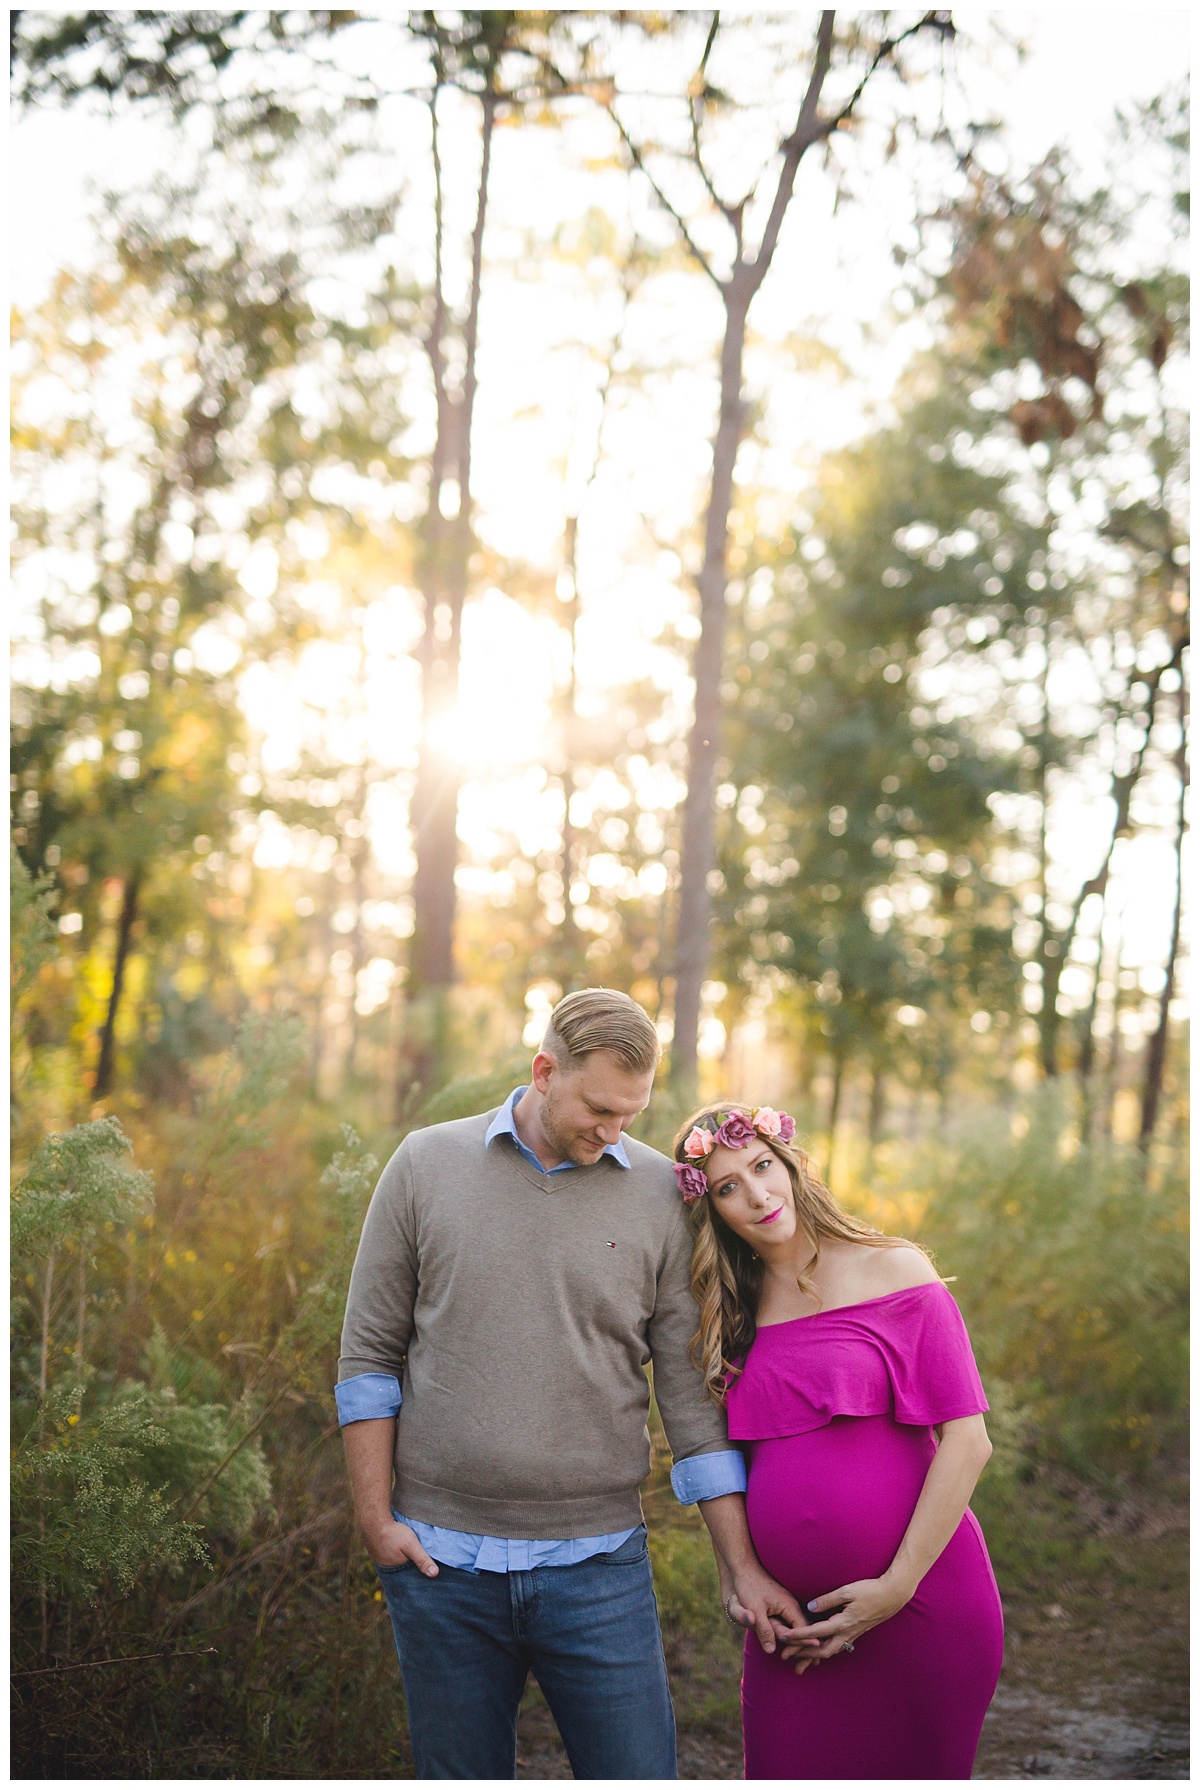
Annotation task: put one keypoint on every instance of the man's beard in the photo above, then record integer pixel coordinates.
(567, 1144)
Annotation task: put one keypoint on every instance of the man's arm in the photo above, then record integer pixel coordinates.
(752, 1598)
(375, 1335)
(370, 1446)
(707, 1470)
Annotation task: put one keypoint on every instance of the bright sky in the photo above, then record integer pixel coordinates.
(536, 415)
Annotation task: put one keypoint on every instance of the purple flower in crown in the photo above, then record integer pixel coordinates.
(787, 1128)
(693, 1182)
(736, 1131)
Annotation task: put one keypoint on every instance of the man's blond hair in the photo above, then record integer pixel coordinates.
(594, 1019)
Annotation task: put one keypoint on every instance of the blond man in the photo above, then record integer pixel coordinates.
(517, 1274)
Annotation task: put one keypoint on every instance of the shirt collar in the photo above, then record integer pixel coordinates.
(504, 1125)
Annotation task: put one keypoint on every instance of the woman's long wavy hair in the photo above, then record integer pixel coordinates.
(727, 1276)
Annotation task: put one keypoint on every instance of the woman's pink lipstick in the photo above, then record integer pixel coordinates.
(771, 1216)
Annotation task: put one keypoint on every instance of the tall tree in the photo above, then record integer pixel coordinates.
(857, 843)
(469, 53)
(1078, 362)
(1156, 1049)
(191, 60)
(165, 436)
(737, 273)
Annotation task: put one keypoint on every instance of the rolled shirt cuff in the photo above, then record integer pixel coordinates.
(363, 1396)
(703, 1476)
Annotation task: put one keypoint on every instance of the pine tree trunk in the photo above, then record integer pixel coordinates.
(1087, 1037)
(835, 1101)
(696, 858)
(1121, 790)
(444, 578)
(1049, 950)
(129, 902)
(359, 855)
(875, 1110)
(324, 953)
(1113, 1066)
(571, 958)
(1056, 949)
(1156, 1050)
(737, 293)
(570, 943)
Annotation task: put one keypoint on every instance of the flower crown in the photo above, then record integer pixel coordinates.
(733, 1131)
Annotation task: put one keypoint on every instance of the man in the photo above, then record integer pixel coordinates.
(517, 1273)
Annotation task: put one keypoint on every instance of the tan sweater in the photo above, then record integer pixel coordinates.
(519, 1311)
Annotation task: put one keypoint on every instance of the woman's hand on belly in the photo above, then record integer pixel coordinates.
(841, 1616)
(865, 1603)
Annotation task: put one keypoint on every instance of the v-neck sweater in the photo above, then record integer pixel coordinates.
(520, 1311)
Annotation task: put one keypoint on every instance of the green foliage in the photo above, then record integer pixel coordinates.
(703, 1652)
(90, 1518)
(195, 371)
(475, 1093)
(114, 1478)
(128, 1489)
(315, 1331)
(860, 836)
(32, 937)
(1071, 1267)
(248, 1081)
(205, 1459)
(76, 1183)
(31, 930)
(1035, 1536)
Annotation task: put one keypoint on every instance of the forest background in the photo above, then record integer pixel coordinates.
(511, 501)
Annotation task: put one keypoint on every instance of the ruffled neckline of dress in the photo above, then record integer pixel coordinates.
(905, 1355)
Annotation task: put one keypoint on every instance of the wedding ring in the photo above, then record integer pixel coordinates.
(848, 1647)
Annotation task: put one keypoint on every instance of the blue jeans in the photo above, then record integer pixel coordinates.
(467, 1642)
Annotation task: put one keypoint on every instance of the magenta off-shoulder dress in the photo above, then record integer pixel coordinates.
(835, 1412)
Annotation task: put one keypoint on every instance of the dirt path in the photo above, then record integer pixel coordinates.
(1028, 1734)
(1112, 1732)
(1096, 1686)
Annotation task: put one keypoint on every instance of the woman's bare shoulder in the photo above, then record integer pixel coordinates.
(895, 1269)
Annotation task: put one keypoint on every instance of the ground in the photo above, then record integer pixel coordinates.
(290, 1674)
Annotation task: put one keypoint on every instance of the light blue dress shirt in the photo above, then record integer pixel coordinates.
(365, 1396)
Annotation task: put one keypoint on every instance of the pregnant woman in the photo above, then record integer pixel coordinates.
(848, 1379)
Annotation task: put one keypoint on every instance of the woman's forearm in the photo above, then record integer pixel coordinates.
(952, 1477)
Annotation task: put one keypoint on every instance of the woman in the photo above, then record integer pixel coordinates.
(847, 1376)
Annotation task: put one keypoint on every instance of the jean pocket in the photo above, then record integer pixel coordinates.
(630, 1553)
(400, 1566)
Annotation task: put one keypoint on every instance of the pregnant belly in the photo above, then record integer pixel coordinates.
(832, 1505)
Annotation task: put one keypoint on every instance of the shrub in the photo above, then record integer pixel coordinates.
(1071, 1268)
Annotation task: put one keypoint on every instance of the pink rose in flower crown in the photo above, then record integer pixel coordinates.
(698, 1143)
(692, 1181)
(767, 1122)
(735, 1132)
